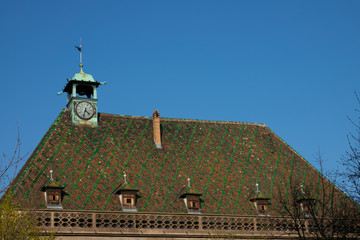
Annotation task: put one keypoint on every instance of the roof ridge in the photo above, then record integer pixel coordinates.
(214, 121)
(189, 120)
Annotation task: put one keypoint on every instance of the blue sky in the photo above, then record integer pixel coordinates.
(293, 65)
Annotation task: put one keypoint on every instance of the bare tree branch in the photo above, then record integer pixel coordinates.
(9, 165)
(351, 159)
(322, 211)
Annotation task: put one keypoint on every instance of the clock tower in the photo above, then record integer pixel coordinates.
(82, 98)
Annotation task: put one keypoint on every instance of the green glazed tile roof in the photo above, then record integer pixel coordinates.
(224, 159)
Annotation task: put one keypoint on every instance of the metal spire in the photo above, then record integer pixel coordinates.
(188, 182)
(125, 179)
(257, 187)
(51, 175)
(79, 48)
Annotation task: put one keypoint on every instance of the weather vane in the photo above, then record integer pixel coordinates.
(79, 48)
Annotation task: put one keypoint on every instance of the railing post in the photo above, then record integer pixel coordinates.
(200, 222)
(52, 220)
(93, 215)
(255, 224)
(307, 226)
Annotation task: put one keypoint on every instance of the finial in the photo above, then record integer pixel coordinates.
(257, 187)
(51, 175)
(302, 189)
(125, 179)
(79, 48)
(188, 182)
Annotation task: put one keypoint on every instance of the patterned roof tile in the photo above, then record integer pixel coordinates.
(224, 159)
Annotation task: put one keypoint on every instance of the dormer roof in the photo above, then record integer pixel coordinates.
(126, 187)
(52, 184)
(259, 196)
(304, 197)
(189, 191)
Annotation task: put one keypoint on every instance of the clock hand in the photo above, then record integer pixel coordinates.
(86, 111)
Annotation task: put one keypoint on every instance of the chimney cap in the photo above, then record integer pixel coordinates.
(156, 113)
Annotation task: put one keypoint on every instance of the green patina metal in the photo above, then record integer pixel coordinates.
(82, 91)
(81, 76)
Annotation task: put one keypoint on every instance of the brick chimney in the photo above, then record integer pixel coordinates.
(156, 129)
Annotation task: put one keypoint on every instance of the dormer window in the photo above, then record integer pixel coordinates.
(306, 203)
(129, 200)
(191, 198)
(261, 202)
(53, 193)
(262, 207)
(53, 197)
(307, 206)
(194, 204)
(128, 196)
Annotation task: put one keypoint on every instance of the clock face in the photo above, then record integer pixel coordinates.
(85, 110)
